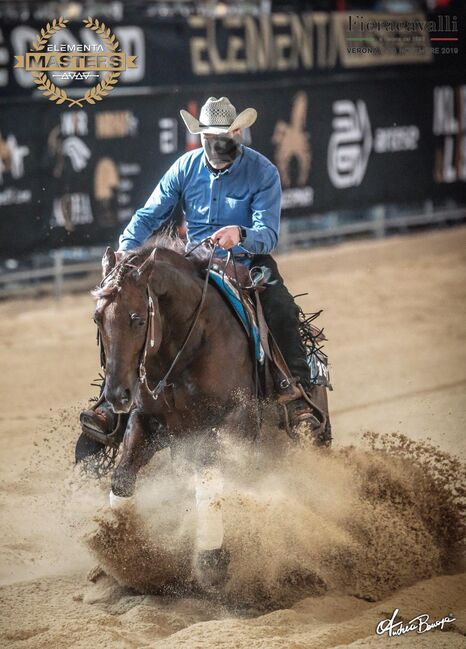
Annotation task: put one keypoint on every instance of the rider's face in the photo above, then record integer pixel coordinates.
(221, 150)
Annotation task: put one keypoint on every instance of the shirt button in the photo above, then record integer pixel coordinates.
(215, 199)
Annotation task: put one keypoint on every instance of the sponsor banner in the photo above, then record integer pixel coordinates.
(158, 52)
(76, 176)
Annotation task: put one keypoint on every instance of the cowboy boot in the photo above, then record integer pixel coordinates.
(307, 424)
(302, 418)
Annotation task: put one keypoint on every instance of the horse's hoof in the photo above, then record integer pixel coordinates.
(212, 568)
(95, 574)
(306, 434)
(120, 503)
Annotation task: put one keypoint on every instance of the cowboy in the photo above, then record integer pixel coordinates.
(230, 193)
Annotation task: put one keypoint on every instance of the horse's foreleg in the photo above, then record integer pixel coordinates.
(239, 421)
(212, 556)
(209, 492)
(138, 448)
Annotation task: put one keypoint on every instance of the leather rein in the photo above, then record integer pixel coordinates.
(154, 334)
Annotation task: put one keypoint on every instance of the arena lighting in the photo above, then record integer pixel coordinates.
(208, 8)
(116, 10)
(71, 10)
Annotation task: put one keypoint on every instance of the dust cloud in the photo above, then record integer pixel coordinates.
(355, 521)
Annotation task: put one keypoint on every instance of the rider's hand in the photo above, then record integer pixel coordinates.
(119, 254)
(227, 237)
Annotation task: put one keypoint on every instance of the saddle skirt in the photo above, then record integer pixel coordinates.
(246, 314)
(245, 309)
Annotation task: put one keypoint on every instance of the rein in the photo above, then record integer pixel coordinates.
(151, 340)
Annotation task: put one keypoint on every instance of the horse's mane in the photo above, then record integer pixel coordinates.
(198, 258)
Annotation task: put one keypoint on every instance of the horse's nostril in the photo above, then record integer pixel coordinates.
(118, 397)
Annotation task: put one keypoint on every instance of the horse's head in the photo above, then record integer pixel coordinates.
(121, 314)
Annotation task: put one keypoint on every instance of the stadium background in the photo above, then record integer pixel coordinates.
(367, 128)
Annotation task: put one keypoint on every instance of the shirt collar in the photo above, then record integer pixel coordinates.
(224, 172)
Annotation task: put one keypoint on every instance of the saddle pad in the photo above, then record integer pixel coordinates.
(231, 295)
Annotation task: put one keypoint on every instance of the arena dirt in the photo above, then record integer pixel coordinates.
(323, 545)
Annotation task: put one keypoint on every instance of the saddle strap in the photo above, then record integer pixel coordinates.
(263, 328)
(264, 339)
(287, 387)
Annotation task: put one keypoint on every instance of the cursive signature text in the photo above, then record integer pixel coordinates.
(420, 624)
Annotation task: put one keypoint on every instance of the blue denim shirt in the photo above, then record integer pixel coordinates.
(247, 194)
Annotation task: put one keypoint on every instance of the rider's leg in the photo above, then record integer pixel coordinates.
(282, 315)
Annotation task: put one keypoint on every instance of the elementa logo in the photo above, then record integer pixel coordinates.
(75, 61)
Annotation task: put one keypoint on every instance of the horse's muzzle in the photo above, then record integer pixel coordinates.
(120, 399)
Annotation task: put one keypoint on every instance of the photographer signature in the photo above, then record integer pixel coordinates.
(420, 624)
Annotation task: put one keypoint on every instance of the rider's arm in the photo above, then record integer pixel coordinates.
(262, 237)
(155, 212)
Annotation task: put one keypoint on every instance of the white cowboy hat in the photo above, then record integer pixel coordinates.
(218, 116)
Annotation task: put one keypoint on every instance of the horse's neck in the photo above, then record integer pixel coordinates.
(216, 336)
(178, 309)
(183, 296)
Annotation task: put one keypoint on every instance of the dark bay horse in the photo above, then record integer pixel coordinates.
(175, 354)
(212, 378)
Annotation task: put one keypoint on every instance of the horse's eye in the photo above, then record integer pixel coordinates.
(97, 318)
(137, 319)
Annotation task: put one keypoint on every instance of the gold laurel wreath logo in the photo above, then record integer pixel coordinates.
(94, 94)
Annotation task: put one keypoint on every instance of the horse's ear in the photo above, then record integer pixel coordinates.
(108, 261)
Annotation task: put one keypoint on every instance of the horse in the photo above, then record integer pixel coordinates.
(175, 354)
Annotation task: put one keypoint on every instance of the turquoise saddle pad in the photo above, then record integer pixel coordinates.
(231, 295)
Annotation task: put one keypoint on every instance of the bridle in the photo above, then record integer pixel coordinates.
(153, 334)
(153, 338)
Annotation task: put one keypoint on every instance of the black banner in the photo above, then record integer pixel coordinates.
(200, 50)
(79, 176)
(75, 176)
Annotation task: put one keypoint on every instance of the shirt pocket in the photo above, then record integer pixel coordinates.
(237, 211)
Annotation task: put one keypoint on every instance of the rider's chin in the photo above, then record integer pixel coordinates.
(218, 164)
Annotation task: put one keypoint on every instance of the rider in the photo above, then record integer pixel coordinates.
(230, 193)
